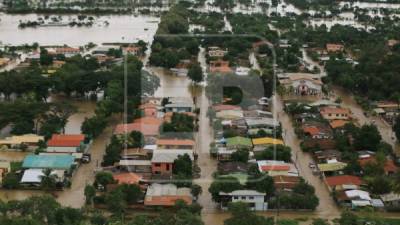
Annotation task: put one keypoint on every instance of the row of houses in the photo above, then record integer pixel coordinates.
(151, 166)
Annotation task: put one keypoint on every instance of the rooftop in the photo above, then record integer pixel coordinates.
(66, 140)
(169, 156)
(343, 180)
(59, 161)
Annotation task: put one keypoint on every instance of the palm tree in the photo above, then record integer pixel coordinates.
(48, 180)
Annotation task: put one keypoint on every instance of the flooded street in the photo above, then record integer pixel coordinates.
(128, 27)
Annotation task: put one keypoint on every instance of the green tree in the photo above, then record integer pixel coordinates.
(90, 193)
(224, 184)
(195, 73)
(196, 190)
(48, 180)
(183, 165)
(103, 178)
(241, 215)
(10, 181)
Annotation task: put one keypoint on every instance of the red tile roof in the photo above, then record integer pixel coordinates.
(127, 178)
(342, 180)
(285, 182)
(275, 168)
(312, 130)
(337, 123)
(148, 126)
(66, 140)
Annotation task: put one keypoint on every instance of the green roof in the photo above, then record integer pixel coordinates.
(62, 162)
(327, 167)
(239, 141)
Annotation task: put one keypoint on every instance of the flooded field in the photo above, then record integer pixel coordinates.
(120, 28)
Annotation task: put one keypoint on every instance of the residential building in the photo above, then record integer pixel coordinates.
(162, 161)
(34, 176)
(127, 178)
(175, 144)
(134, 154)
(337, 124)
(242, 71)
(331, 166)
(389, 167)
(316, 131)
(301, 83)
(134, 165)
(335, 113)
(131, 50)
(220, 66)
(166, 195)
(150, 110)
(223, 107)
(254, 199)
(391, 199)
(66, 143)
(286, 183)
(254, 124)
(148, 126)
(55, 162)
(179, 105)
(277, 168)
(17, 141)
(334, 47)
(67, 51)
(216, 52)
(233, 167)
(262, 143)
(229, 114)
(343, 182)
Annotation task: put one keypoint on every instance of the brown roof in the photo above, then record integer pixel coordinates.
(343, 180)
(334, 110)
(285, 182)
(337, 123)
(324, 144)
(66, 140)
(389, 166)
(222, 107)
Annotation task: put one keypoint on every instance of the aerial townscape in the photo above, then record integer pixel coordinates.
(199, 112)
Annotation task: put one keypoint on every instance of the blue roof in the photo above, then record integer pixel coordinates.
(48, 161)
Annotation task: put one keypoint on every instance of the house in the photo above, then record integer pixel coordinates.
(262, 143)
(134, 154)
(233, 167)
(277, 168)
(216, 52)
(327, 155)
(335, 113)
(302, 83)
(254, 124)
(389, 167)
(58, 64)
(34, 176)
(148, 126)
(238, 142)
(127, 178)
(242, 71)
(179, 105)
(55, 162)
(391, 199)
(224, 154)
(134, 165)
(358, 198)
(343, 182)
(66, 143)
(17, 141)
(334, 47)
(220, 66)
(331, 166)
(337, 124)
(131, 50)
(162, 161)
(286, 183)
(166, 195)
(175, 144)
(254, 199)
(319, 144)
(67, 51)
(150, 110)
(316, 131)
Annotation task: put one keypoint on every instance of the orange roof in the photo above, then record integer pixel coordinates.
(337, 123)
(127, 178)
(312, 130)
(175, 142)
(66, 140)
(285, 182)
(67, 49)
(275, 168)
(333, 110)
(166, 200)
(148, 120)
(342, 180)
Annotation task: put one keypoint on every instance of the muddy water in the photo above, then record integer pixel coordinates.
(124, 27)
